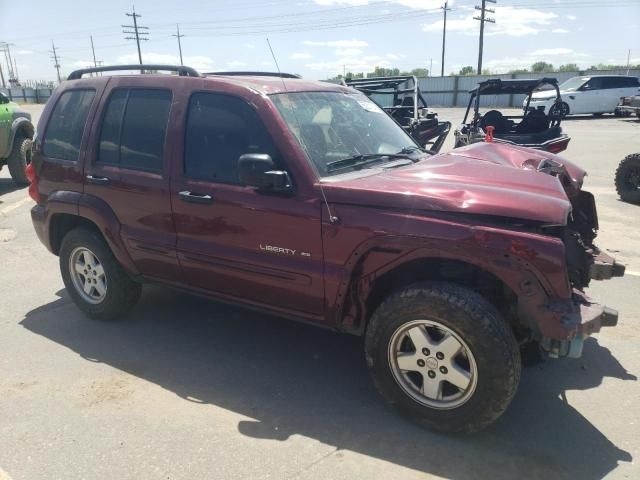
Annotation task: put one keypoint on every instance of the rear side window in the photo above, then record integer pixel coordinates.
(66, 125)
(220, 128)
(134, 128)
(621, 82)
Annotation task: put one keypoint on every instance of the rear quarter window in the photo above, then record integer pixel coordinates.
(66, 125)
(134, 128)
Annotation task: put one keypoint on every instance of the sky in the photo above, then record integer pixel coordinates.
(319, 38)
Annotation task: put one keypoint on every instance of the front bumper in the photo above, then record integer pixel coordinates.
(579, 317)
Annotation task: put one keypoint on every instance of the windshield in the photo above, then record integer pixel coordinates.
(334, 126)
(573, 84)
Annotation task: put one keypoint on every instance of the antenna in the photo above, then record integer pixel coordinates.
(332, 219)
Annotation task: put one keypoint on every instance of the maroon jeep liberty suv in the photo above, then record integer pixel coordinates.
(306, 200)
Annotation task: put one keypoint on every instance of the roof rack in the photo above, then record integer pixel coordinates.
(255, 74)
(179, 69)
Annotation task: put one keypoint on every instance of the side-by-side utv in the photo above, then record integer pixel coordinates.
(533, 129)
(402, 99)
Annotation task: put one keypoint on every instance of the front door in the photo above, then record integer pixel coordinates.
(233, 240)
(128, 171)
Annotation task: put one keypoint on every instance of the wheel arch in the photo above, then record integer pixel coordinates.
(513, 290)
(81, 210)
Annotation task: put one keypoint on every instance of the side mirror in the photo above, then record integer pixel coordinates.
(258, 170)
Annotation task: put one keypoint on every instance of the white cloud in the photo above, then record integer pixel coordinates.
(348, 52)
(514, 22)
(551, 51)
(559, 30)
(23, 52)
(415, 4)
(249, 45)
(364, 63)
(236, 63)
(199, 62)
(572, 17)
(300, 56)
(337, 43)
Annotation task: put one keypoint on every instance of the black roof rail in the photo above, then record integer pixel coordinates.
(179, 69)
(255, 74)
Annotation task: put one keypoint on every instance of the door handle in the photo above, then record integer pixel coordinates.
(188, 196)
(97, 180)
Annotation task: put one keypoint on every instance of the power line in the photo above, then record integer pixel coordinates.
(444, 34)
(56, 60)
(178, 36)
(138, 35)
(483, 18)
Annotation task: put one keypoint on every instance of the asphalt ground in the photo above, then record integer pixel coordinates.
(187, 388)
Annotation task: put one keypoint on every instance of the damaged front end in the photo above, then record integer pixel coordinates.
(579, 316)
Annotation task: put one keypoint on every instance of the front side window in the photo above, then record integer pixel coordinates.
(332, 127)
(134, 128)
(220, 128)
(573, 84)
(66, 125)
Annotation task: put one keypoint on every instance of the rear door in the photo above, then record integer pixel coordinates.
(234, 240)
(127, 168)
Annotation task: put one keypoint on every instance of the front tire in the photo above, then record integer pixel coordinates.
(95, 280)
(443, 356)
(560, 110)
(18, 160)
(628, 178)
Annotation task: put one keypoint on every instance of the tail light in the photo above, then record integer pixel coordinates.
(559, 146)
(32, 176)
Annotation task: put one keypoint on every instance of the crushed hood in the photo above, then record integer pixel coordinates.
(483, 178)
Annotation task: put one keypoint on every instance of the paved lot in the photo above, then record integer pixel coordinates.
(190, 389)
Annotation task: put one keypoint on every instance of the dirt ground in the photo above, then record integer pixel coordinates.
(188, 388)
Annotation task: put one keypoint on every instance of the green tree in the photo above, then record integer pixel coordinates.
(468, 70)
(569, 67)
(540, 67)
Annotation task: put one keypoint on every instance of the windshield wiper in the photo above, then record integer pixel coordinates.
(363, 160)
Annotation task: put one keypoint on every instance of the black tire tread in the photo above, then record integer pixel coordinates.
(17, 160)
(122, 291)
(630, 161)
(485, 318)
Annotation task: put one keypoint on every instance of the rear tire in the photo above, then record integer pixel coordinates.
(19, 158)
(412, 326)
(628, 178)
(95, 280)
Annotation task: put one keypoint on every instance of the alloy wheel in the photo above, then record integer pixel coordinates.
(87, 275)
(432, 364)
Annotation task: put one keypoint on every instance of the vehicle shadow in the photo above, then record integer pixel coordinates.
(7, 185)
(294, 379)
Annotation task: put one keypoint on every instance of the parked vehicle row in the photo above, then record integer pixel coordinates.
(306, 200)
(597, 94)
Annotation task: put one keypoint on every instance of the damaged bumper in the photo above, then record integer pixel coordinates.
(604, 267)
(579, 317)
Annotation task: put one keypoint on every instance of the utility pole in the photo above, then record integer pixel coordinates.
(56, 59)
(431, 67)
(178, 36)
(93, 52)
(628, 61)
(483, 18)
(138, 35)
(6, 49)
(445, 9)
(4, 85)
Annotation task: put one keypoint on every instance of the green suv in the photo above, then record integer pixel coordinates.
(16, 134)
